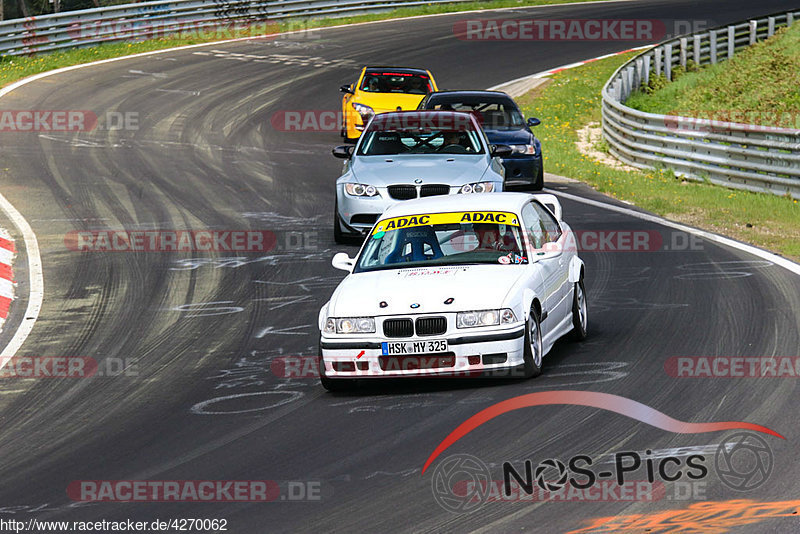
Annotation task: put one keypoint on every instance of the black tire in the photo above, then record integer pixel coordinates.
(579, 312)
(338, 235)
(333, 384)
(539, 184)
(532, 354)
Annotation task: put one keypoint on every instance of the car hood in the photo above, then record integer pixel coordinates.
(472, 287)
(509, 137)
(385, 102)
(430, 168)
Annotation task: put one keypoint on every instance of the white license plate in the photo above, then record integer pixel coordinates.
(399, 348)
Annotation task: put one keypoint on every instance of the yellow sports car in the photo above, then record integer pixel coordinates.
(382, 89)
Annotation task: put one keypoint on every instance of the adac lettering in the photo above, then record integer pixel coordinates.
(407, 221)
(484, 217)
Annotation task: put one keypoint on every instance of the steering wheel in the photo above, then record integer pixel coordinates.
(453, 149)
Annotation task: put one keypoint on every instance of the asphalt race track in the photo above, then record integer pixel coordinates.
(202, 397)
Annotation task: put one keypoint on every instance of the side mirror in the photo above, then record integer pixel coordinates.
(344, 262)
(343, 151)
(533, 121)
(347, 89)
(501, 151)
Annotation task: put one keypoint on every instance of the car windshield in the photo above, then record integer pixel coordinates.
(498, 114)
(454, 238)
(393, 134)
(396, 82)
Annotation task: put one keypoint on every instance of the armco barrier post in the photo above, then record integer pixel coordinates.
(684, 46)
(731, 41)
(713, 46)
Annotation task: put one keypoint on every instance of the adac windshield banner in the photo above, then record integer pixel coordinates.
(410, 221)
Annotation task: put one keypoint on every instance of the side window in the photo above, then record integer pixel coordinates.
(540, 225)
(532, 227)
(549, 223)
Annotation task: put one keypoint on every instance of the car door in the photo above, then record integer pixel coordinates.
(547, 239)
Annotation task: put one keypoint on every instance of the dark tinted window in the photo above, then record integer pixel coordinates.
(396, 82)
(493, 113)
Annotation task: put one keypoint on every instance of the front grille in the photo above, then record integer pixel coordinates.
(414, 363)
(402, 192)
(431, 326)
(364, 218)
(398, 328)
(432, 190)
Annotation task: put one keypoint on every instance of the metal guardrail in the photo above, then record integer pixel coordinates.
(741, 156)
(148, 20)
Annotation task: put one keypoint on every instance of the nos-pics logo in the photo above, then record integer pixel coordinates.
(461, 483)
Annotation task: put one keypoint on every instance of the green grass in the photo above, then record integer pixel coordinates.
(762, 83)
(16, 68)
(572, 100)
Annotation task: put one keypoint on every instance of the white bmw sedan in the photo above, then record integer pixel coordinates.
(455, 286)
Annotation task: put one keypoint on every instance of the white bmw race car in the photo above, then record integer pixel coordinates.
(455, 286)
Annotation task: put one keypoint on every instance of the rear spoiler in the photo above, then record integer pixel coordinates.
(551, 203)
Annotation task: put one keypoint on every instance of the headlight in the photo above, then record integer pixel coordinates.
(365, 111)
(523, 149)
(471, 319)
(480, 187)
(353, 325)
(360, 190)
(330, 325)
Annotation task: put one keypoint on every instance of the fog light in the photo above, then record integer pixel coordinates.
(474, 360)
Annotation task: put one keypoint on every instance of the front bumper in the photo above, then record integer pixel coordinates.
(522, 171)
(359, 214)
(469, 354)
(354, 124)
